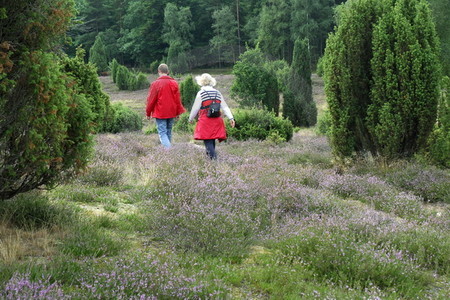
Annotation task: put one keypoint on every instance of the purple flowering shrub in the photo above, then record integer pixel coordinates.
(143, 276)
(430, 183)
(21, 287)
(146, 276)
(375, 192)
(263, 221)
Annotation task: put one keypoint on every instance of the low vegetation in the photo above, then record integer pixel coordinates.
(266, 220)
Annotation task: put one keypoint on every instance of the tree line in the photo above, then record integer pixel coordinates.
(194, 32)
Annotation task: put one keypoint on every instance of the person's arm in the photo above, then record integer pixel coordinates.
(179, 103)
(151, 100)
(227, 110)
(195, 107)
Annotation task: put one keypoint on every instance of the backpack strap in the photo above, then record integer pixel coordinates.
(209, 96)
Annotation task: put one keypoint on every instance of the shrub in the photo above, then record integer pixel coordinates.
(340, 258)
(254, 84)
(34, 211)
(127, 80)
(183, 125)
(113, 66)
(141, 81)
(324, 123)
(89, 85)
(320, 68)
(188, 90)
(439, 141)
(259, 124)
(124, 119)
(103, 174)
(122, 80)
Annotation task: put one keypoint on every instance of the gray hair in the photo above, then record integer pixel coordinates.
(163, 68)
(205, 79)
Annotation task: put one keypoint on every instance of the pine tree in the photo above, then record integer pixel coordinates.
(188, 90)
(225, 27)
(178, 28)
(97, 55)
(312, 20)
(298, 105)
(274, 37)
(441, 13)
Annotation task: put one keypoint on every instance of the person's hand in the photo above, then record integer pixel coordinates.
(148, 117)
(232, 123)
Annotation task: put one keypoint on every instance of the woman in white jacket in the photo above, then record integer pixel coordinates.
(209, 129)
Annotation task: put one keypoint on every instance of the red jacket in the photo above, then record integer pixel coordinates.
(164, 101)
(209, 128)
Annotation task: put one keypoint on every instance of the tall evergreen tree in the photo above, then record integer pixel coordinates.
(178, 35)
(274, 36)
(441, 13)
(381, 76)
(142, 32)
(298, 103)
(97, 54)
(225, 30)
(313, 20)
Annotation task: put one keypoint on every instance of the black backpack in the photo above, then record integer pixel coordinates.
(213, 110)
(214, 107)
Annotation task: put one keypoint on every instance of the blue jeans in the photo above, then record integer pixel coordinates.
(165, 131)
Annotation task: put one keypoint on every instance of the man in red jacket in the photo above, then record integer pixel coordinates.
(164, 104)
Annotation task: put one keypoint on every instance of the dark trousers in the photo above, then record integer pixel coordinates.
(210, 146)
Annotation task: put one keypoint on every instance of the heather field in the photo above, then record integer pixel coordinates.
(264, 221)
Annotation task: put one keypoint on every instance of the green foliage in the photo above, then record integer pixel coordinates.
(254, 84)
(139, 26)
(128, 80)
(339, 257)
(122, 77)
(320, 68)
(188, 90)
(324, 123)
(440, 9)
(113, 66)
(97, 55)
(178, 28)
(298, 105)
(381, 74)
(405, 79)
(281, 69)
(260, 125)
(225, 37)
(312, 20)
(439, 142)
(124, 119)
(32, 211)
(274, 37)
(183, 125)
(90, 87)
(37, 141)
